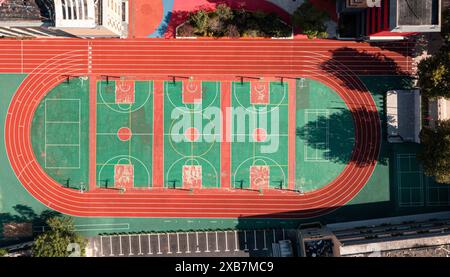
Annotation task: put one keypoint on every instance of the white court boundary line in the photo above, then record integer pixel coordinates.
(263, 158)
(402, 188)
(183, 105)
(316, 157)
(194, 158)
(131, 109)
(183, 156)
(62, 122)
(258, 110)
(438, 190)
(119, 157)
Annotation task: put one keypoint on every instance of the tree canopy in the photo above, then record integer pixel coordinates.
(310, 20)
(434, 74)
(3, 252)
(434, 71)
(436, 151)
(225, 21)
(60, 240)
(434, 81)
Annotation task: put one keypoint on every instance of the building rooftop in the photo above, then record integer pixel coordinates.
(403, 116)
(24, 10)
(418, 12)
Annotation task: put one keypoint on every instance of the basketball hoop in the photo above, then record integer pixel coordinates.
(82, 188)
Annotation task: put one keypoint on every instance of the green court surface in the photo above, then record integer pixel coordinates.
(414, 189)
(396, 187)
(183, 149)
(391, 190)
(60, 133)
(246, 150)
(324, 135)
(137, 118)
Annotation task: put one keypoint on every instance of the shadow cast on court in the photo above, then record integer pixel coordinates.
(341, 137)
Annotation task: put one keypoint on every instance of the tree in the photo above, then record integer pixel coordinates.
(224, 12)
(199, 20)
(55, 241)
(232, 31)
(224, 21)
(434, 71)
(185, 30)
(3, 252)
(436, 151)
(434, 74)
(215, 26)
(310, 20)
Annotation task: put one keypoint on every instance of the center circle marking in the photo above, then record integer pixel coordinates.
(124, 134)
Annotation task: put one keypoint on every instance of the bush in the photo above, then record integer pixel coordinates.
(310, 20)
(186, 30)
(434, 74)
(315, 34)
(3, 252)
(215, 26)
(55, 241)
(250, 33)
(224, 12)
(199, 20)
(232, 31)
(435, 152)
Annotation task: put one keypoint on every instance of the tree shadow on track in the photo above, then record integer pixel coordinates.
(415, 45)
(346, 63)
(404, 48)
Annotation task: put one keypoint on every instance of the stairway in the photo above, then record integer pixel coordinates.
(32, 32)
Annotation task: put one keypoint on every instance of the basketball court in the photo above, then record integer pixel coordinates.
(124, 134)
(251, 167)
(191, 158)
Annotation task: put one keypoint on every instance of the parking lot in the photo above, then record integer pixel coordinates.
(233, 243)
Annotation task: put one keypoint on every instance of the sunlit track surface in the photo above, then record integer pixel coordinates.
(240, 57)
(47, 61)
(202, 57)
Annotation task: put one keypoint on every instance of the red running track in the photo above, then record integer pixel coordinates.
(47, 60)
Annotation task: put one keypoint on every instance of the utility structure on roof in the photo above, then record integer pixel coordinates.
(376, 20)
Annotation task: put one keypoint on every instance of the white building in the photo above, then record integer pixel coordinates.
(64, 18)
(439, 110)
(92, 18)
(403, 112)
